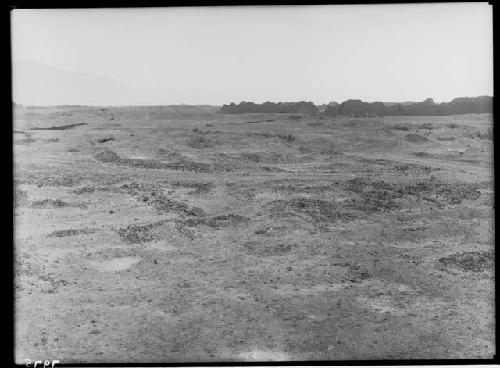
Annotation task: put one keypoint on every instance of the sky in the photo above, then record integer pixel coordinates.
(217, 55)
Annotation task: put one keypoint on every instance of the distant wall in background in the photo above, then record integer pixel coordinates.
(460, 105)
(244, 107)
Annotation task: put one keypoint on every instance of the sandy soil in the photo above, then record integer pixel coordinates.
(179, 234)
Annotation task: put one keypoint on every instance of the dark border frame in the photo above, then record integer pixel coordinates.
(8, 153)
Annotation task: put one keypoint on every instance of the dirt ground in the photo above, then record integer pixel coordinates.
(168, 234)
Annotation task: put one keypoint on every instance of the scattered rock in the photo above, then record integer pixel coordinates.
(69, 232)
(401, 126)
(20, 197)
(27, 140)
(477, 261)
(50, 203)
(104, 140)
(427, 126)
(108, 156)
(200, 188)
(201, 141)
(264, 249)
(287, 138)
(415, 138)
(138, 234)
(62, 127)
(84, 190)
(263, 231)
(216, 222)
(484, 135)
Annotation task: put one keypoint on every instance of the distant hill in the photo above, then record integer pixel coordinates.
(41, 85)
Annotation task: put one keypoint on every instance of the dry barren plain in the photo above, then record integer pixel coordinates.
(178, 234)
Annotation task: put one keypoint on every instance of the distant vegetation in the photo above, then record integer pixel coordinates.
(358, 108)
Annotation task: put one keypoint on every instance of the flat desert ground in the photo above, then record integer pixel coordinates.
(178, 234)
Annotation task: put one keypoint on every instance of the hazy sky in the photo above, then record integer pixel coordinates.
(279, 53)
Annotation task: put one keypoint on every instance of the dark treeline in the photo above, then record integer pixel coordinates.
(461, 105)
